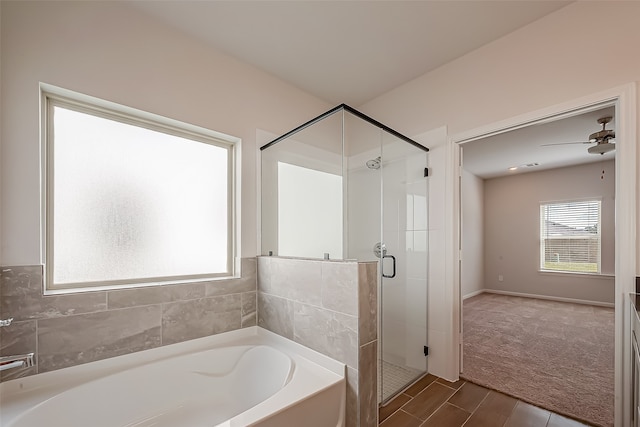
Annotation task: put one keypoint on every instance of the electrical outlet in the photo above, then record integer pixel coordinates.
(500, 278)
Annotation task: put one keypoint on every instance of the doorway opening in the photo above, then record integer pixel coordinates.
(623, 102)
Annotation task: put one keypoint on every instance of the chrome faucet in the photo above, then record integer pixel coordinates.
(20, 361)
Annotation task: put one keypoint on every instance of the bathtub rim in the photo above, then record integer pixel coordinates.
(21, 394)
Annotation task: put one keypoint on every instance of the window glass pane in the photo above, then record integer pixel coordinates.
(132, 203)
(570, 236)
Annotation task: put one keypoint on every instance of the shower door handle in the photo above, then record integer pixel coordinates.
(393, 259)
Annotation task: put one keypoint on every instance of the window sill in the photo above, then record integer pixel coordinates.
(159, 284)
(577, 274)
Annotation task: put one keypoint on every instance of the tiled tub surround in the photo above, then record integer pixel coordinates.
(68, 330)
(331, 307)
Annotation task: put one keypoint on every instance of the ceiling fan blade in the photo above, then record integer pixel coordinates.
(567, 143)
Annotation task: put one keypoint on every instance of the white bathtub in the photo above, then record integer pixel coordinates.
(248, 377)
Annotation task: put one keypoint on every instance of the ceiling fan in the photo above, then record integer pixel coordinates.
(602, 138)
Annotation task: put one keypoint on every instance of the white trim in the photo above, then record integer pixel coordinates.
(52, 96)
(545, 115)
(473, 294)
(624, 99)
(452, 250)
(625, 268)
(550, 298)
(141, 115)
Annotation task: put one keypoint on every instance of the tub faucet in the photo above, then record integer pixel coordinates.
(20, 361)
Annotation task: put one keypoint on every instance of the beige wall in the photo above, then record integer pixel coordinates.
(554, 60)
(111, 51)
(511, 227)
(472, 272)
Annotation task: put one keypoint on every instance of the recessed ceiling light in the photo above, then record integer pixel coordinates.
(527, 165)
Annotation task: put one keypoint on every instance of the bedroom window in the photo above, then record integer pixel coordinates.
(134, 199)
(570, 236)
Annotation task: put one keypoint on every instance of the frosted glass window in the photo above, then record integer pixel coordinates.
(131, 204)
(309, 212)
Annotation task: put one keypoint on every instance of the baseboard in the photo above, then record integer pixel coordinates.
(551, 298)
(473, 294)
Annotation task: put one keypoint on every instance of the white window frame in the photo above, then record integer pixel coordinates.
(541, 260)
(51, 96)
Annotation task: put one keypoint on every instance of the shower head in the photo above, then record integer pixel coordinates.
(374, 163)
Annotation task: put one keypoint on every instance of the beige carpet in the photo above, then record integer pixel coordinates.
(555, 355)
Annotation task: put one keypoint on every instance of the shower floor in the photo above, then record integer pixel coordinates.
(393, 379)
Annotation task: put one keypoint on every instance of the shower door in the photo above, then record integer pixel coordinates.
(386, 222)
(402, 266)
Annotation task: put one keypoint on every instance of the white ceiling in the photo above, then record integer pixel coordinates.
(354, 51)
(492, 157)
(347, 51)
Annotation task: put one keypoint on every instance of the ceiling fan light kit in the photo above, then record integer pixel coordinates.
(602, 138)
(601, 148)
(603, 134)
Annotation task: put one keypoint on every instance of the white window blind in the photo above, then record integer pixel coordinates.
(570, 236)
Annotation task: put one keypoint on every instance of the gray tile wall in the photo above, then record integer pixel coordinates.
(368, 343)
(67, 330)
(331, 307)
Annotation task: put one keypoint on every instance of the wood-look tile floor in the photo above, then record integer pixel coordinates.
(434, 402)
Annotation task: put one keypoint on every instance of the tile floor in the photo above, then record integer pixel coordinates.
(434, 402)
(392, 378)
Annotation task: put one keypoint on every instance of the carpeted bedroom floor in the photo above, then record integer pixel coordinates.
(555, 355)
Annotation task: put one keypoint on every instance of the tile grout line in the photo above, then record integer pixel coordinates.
(511, 413)
(412, 416)
(437, 409)
(412, 397)
(474, 411)
(394, 412)
(408, 401)
(454, 405)
(161, 324)
(443, 403)
(37, 352)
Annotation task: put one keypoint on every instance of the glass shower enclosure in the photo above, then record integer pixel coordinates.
(343, 186)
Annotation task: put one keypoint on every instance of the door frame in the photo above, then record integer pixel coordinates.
(624, 99)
